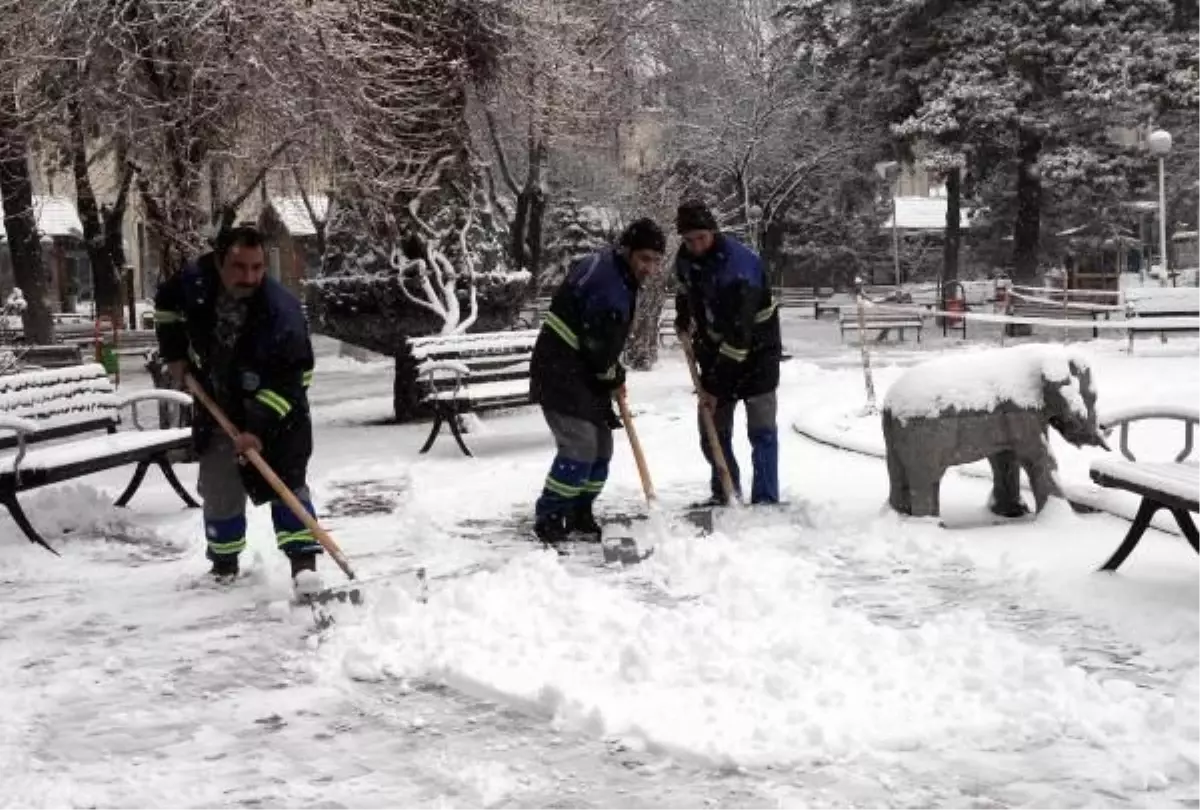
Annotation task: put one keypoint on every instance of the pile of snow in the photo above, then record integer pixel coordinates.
(1163, 299)
(751, 659)
(981, 380)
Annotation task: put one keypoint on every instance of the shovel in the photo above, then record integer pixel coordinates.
(285, 495)
(732, 496)
(627, 552)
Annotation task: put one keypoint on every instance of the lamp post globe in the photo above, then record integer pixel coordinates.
(1159, 142)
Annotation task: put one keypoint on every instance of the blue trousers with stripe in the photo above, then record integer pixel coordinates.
(580, 467)
(764, 448)
(224, 496)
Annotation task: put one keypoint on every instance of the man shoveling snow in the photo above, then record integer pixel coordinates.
(243, 337)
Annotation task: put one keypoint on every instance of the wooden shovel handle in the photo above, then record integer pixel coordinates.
(281, 489)
(636, 445)
(710, 428)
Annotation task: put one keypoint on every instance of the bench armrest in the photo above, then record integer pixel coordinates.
(166, 395)
(1124, 417)
(21, 427)
(17, 424)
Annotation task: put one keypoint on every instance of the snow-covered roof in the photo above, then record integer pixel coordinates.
(923, 214)
(55, 216)
(294, 215)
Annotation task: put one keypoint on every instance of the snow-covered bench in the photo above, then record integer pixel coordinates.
(1020, 306)
(1172, 485)
(61, 424)
(1161, 313)
(533, 313)
(472, 373)
(881, 320)
(53, 355)
(796, 298)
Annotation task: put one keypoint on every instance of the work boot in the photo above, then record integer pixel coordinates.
(302, 562)
(584, 526)
(224, 569)
(551, 530)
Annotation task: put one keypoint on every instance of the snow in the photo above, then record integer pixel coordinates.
(824, 654)
(981, 380)
(74, 450)
(1176, 300)
(294, 215)
(487, 390)
(1179, 480)
(59, 397)
(923, 214)
(491, 342)
(54, 216)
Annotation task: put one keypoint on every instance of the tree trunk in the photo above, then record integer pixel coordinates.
(953, 236)
(641, 353)
(16, 189)
(105, 278)
(1027, 227)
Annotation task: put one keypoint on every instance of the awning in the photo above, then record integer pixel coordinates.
(924, 214)
(55, 216)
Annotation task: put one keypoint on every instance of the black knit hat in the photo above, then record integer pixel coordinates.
(644, 234)
(694, 215)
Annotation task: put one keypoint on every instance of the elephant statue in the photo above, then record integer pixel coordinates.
(995, 404)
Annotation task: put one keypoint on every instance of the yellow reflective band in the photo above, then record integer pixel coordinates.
(165, 316)
(737, 355)
(764, 315)
(273, 401)
(195, 358)
(713, 335)
(230, 547)
(560, 328)
(286, 538)
(593, 486)
(559, 488)
(307, 379)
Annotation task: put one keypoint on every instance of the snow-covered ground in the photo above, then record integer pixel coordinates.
(824, 653)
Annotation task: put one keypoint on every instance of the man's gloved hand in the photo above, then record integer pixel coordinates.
(717, 380)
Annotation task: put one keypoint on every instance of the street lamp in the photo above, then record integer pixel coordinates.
(889, 170)
(1160, 145)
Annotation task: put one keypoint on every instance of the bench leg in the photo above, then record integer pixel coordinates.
(457, 431)
(1187, 527)
(169, 473)
(434, 431)
(9, 499)
(135, 483)
(1141, 522)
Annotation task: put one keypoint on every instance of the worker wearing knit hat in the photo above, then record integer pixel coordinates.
(724, 306)
(576, 372)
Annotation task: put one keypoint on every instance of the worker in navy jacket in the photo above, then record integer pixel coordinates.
(576, 371)
(244, 338)
(725, 307)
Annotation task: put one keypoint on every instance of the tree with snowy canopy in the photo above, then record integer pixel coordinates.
(575, 231)
(1031, 90)
(414, 245)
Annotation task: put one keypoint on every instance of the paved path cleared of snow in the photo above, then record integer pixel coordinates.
(826, 654)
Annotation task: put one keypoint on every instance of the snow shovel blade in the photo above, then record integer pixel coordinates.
(349, 593)
(623, 550)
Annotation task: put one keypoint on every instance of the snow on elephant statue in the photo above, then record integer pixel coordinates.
(995, 404)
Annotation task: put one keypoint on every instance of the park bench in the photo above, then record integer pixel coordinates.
(472, 373)
(1020, 306)
(533, 313)
(796, 298)
(53, 355)
(65, 426)
(1148, 315)
(666, 322)
(883, 320)
(1170, 485)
